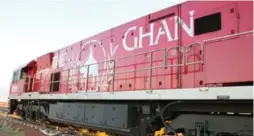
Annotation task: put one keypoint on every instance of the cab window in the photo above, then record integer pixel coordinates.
(16, 76)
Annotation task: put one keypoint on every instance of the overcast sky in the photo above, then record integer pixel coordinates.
(30, 28)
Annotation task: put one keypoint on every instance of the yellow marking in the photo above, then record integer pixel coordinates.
(159, 132)
(15, 116)
(180, 134)
(101, 134)
(87, 132)
(5, 114)
(162, 130)
(84, 131)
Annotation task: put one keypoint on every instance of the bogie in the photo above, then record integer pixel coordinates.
(142, 118)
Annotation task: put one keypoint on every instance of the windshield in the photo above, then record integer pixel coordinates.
(16, 76)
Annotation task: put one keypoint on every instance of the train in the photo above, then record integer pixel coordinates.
(183, 70)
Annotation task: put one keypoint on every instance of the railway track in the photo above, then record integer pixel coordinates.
(2, 109)
(48, 128)
(53, 129)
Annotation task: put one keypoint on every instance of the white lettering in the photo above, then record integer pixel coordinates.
(61, 59)
(126, 47)
(163, 29)
(189, 30)
(54, 61)
(141, 35)
(176, 29)
(162, 32)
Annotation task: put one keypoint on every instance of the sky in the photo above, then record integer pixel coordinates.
(30, 28)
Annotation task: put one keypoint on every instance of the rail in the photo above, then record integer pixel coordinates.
(71, 80)
(201, 61)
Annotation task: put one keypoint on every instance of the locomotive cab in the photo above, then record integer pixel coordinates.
(22, 80)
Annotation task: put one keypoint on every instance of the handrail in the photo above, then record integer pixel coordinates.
(181, 49)
(118, 58)
(228, 36)
(150, 69)
(184, 52)
(113, 84)
(188, 49)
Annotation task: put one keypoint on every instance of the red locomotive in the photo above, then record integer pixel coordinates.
(191, 63)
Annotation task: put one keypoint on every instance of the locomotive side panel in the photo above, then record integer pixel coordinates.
(232, 62)
(245, 15)
(223, 57)
(208, 23)
(124, 42)
(141, 74)
(166, 29)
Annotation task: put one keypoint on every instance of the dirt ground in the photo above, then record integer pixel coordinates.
(9, 127)
(3, 104)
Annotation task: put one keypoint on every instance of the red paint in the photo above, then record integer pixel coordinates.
(225, 61)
